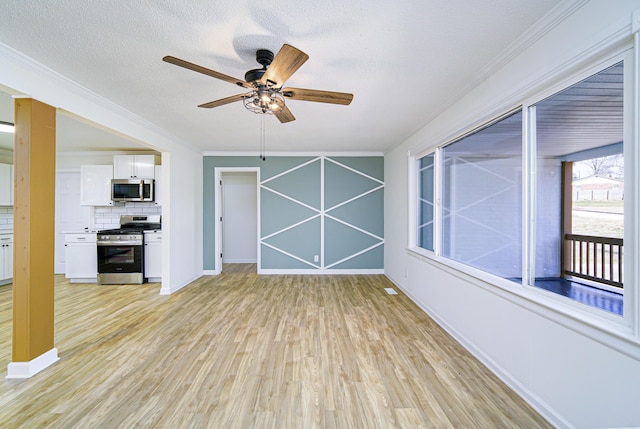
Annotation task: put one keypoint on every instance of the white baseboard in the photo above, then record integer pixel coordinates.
(320, 272)
(166, 289)
(34, 366)
(210, 272)
(537, 403)
(240, 261)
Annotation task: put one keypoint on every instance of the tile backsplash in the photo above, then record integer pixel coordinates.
(109, 217)
(6, 217)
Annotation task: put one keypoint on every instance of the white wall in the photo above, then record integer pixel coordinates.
(72, 161)
(576, 369)
(182, 164)
(182, 187)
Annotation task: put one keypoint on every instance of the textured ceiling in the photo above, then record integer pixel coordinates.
(403, 60)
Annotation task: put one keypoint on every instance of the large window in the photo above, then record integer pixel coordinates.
(575, 161)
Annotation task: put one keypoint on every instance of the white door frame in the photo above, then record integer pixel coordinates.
(218, 171)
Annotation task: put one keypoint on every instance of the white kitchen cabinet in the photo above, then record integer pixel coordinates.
(157, 186)
(6, 258)
(153, 256)
(81, 257)
(134, 166)
(95, 185)
(6, 185)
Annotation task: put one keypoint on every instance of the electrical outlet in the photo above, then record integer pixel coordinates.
(316, 258)
(406, 273)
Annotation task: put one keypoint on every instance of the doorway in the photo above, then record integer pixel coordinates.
(237, 228)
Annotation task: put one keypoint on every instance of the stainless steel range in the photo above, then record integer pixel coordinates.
(121, 251)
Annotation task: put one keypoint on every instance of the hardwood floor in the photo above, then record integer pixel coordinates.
(246, 351)
(239, 268)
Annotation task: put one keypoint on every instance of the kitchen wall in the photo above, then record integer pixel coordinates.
(109, 217)
(73, 160)
(576, 368)
(6, 156)
(105, 217)
(317, 213)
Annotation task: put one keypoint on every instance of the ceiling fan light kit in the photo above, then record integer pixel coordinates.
(267, 95)
(264, 101)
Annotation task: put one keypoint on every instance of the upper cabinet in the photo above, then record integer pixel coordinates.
(133, 166)
(95, 185)
(6, 185)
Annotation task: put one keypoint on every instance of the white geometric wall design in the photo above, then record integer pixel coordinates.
(347, 228)
(369, 186)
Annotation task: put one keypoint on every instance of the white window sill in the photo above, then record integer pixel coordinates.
(608, 329)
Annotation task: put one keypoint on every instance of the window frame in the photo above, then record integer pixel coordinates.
(558, 302)
(551, 304)
(436, 202)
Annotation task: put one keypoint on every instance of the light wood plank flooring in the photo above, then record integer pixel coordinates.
(246, 351)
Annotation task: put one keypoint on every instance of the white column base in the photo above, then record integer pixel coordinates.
(34, 366)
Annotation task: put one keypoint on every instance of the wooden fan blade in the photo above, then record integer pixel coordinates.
(195, 67)
(222, 101)
(318, 96)
(286, 62)
(284, 114)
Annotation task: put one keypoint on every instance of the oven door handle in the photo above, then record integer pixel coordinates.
(119, 243)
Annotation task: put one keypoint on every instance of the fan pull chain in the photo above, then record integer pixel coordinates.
(262, 139)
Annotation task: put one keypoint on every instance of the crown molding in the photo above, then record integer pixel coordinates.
(268, 154)
(11, 58)
(543, 26)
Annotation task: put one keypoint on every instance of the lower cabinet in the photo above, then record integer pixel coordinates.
(6, 258)
(153, 256)
(81, 257)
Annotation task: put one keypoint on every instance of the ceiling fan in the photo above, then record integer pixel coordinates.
(266, 93)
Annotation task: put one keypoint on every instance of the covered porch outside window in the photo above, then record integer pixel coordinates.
(580, 191)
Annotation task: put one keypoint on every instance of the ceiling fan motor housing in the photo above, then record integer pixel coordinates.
(264, 58)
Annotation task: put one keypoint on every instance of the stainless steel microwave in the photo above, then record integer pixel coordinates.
(136, 190)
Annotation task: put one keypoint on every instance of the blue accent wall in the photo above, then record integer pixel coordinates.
(332, 207)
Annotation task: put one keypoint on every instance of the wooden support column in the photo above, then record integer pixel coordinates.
(34, 213)
(566, 216)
